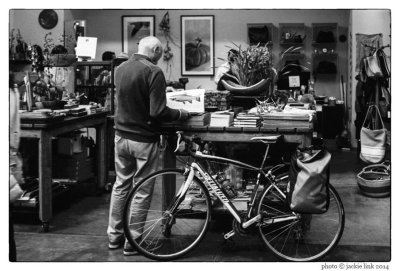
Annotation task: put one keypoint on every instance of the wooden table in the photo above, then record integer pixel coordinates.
(301, 136)
(44, 131)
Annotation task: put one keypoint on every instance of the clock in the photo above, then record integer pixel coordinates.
(48, 18)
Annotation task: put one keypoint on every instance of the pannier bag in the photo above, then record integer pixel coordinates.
(373, 140)
(374, 180)
(308, 189)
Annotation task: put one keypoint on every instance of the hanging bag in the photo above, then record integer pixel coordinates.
(308, 189)
(373, 140)
(383, 63)
(373, 66)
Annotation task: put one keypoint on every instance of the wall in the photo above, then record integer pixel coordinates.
(366, 22)
(26, 20)
(230, 26)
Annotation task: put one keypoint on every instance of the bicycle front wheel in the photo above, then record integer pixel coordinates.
(299, 237)
(159, 223)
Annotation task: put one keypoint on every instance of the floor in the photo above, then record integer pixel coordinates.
(78, 231)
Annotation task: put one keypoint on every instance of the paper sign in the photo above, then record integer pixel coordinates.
(191, 100)
(86, 47)
(294, 81)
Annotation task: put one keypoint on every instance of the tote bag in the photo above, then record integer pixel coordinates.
(373, 140)
(308, 189)
(373, 66)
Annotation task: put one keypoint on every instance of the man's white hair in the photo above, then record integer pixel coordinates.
(148, 44)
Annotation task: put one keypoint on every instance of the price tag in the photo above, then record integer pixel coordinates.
(294, 81)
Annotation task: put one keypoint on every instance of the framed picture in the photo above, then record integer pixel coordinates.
(197, 43)
(259, 34)
(134, 28)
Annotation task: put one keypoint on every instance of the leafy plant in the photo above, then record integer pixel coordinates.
(252, 64)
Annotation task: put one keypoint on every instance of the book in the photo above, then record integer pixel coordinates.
(221, 119)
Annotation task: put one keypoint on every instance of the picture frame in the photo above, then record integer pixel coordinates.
(197, 45)
(259, 33)
(134, 28)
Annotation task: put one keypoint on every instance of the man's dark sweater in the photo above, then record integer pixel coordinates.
(141, 100)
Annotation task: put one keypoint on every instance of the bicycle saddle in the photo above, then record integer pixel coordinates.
(267, 139)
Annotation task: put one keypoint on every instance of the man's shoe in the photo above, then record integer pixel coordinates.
(116, 244)
(129, 250)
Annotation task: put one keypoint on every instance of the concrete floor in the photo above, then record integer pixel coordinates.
(78, 232)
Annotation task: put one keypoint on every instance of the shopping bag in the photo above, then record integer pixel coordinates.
(308, 189)
(373, 66)
(373, 137)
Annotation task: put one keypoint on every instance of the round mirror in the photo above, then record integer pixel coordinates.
(48, 18)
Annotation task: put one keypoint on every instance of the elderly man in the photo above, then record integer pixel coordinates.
(141, 107)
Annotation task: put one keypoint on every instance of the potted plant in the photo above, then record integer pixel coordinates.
(252, 69)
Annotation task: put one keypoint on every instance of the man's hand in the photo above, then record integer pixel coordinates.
(184, 114)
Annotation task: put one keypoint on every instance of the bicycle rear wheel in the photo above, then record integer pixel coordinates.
(308, 237)
(164, 226)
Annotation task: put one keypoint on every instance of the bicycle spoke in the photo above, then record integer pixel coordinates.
(167, 235)
(314, 235)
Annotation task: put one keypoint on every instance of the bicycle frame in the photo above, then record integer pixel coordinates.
(215, 187)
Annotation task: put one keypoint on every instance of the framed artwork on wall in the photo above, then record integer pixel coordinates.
(197, 43)
(134, 28)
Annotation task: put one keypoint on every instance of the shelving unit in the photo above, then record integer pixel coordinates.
(292, 36)
(287, 32)
(324, 39)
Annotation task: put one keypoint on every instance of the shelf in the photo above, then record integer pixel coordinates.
(322, 32)
(20, 62)
(288, 30)
(291, 43)
(325, 55)
(292, 55)
(92, 63)
(259, 33)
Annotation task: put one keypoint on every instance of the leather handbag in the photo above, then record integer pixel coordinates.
(373, 139)
(308, 189)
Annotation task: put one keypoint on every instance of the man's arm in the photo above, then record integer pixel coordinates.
(158, 100)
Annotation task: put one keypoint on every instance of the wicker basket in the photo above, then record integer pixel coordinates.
(374, 181)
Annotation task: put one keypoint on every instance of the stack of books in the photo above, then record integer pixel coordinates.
(201, 119)
(247, 120)
(221, 119)
(286, 120)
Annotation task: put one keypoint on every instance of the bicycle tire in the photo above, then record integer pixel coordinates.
(309, 238)
(162, 235)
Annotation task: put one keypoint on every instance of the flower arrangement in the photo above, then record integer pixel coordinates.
(252, 64)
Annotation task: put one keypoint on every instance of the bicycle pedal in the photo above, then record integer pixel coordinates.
(229, 234)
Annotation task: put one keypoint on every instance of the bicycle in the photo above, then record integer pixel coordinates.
(171, 226)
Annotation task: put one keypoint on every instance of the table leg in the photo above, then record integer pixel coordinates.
(45, 180)
(101, 145)
(169, 182)
(307, 139)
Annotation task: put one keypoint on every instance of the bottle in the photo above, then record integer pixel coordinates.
(311, 88)
(226, 185)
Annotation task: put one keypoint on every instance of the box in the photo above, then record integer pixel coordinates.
(77, 167)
